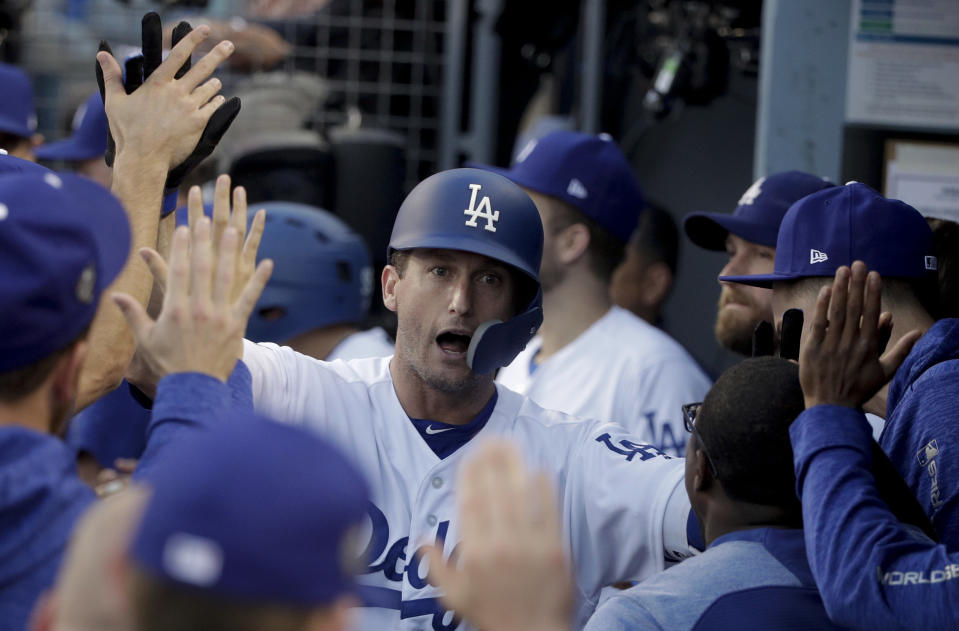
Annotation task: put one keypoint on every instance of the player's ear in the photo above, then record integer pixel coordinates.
(658, 279)
(702, 476)
(572, 243)
(388, 283)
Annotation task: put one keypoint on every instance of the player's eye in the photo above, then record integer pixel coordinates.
(767, 254)
(490, 278)
(438, 270)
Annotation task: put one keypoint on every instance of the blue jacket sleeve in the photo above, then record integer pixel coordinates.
(187, 403)
(873, 572)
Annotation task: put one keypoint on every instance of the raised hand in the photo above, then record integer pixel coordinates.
(839, 360)
(511, 572)
(224, 216)
(200, 326)
(171, 115)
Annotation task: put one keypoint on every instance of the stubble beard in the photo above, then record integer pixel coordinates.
(734, 329)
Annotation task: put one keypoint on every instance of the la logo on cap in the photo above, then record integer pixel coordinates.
(526, 150)
(749, 197)
(485, 210)
(815, 256)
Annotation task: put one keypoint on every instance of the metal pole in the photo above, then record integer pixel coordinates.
(453, 53)
(591, 93)
(484, 93)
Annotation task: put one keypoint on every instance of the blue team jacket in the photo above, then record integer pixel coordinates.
(873, 572)
(921, 435)
(41, 496)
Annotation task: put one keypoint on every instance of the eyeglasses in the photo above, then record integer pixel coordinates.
(690, 412)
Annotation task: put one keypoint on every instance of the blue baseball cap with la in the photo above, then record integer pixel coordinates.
(63, 239)
(255, 510)
(758, 214)
(89, 138)
(17, 116)
(588, 172)
(840, 225)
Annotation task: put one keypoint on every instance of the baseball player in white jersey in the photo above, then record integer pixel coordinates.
(463, 280)
(593, 359)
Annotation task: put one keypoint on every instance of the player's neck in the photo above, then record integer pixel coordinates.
(33, 411)
(569, 309)
(738, 516)
(319, 343)
(420, 400)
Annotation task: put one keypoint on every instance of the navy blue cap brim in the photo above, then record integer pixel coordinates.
(9, 165)
(709, 230)
(15, 127)
(70, 149)
(759, 280)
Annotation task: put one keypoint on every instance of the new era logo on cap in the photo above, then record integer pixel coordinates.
(576, 189)
(815, 256)
(932, 263)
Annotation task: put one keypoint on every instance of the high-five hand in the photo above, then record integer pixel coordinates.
(839, 361)
(200, 327)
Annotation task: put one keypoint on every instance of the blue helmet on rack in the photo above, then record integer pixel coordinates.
(322, 273)
(484, 213)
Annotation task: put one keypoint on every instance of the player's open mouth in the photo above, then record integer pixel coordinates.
(453, 342)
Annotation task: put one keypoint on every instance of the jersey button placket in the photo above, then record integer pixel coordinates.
(431, 520)
(437, 482)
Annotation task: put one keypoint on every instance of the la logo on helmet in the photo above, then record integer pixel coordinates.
(485, 210)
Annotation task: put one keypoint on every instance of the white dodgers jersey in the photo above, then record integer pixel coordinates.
(620, 369)
(623, 502)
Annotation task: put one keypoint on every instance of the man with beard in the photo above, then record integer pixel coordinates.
(591, 358)
(749, 237)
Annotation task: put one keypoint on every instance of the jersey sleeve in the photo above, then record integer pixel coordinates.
(615, 503)
(920, 436)
(622, 614)
(665, 387)
(872, 572)
(186, 403)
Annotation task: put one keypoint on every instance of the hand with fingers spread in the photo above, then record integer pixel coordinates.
(510, 573)
(172, 111)
(225, 216)
(839, 360)
(200, 326)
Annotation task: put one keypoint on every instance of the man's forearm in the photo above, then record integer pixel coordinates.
(138, 183)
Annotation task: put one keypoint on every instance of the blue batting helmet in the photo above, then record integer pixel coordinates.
(481, 212)
(322, 273)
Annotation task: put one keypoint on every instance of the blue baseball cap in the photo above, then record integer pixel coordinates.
(760, 211)
(588, 172)
(256, 510)
(10, 165)
(89, 139)
(63, 239)
(834, 227)
(17, 115)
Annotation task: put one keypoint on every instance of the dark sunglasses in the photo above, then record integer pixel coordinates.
(690, 412)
